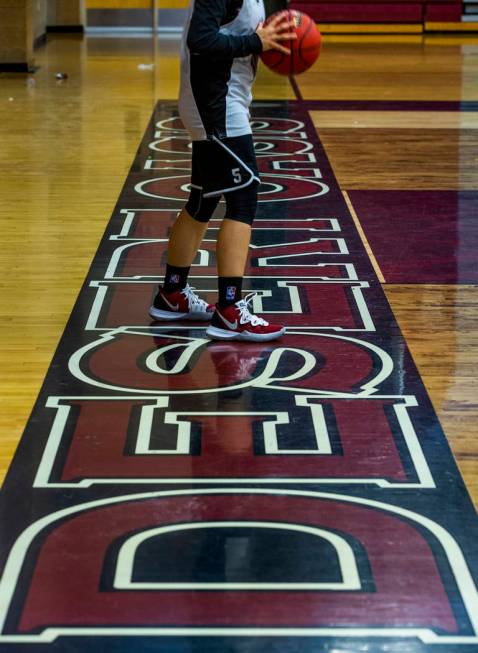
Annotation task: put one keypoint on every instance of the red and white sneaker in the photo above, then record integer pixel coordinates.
(180, 305)
(236, 322)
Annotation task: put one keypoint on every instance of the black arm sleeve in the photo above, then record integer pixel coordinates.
(204, 37)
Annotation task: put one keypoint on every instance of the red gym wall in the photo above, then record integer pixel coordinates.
(382, 11)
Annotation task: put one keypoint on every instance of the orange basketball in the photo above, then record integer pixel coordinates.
(304, 51)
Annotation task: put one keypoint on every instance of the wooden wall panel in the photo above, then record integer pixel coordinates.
(136, 4)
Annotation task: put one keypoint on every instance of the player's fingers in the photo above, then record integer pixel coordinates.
(282, 33)
(278, 19)
(286, 37)
(279, 30)
(281, 48)
(283, 26)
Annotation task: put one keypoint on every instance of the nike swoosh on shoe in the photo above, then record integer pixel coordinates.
(231, 325)
(173, 308)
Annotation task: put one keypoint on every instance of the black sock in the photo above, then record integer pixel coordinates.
(230, 289)
(175, 278)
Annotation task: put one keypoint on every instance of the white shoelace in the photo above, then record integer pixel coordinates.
(196, 304)
(245, 314)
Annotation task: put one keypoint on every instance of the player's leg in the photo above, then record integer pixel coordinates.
(233, 319)
(176, 300)
(184, 240)
(231, 252)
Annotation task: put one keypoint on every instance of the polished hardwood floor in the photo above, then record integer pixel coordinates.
(67, 147)
(405, 68)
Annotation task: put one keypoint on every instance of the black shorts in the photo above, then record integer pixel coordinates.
(224, 166)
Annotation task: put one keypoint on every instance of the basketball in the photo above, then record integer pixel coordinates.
(304, 51)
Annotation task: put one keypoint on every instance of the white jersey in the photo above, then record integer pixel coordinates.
(218, 65)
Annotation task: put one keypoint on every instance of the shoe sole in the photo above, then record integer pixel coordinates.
(168, 316)
(223, 334)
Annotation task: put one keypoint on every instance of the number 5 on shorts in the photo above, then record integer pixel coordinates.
(236, 174)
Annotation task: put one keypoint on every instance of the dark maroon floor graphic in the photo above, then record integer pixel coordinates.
(179, 495)
(435, 234)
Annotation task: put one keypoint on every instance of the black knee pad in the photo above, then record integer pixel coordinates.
(201, 208)
(241, 205)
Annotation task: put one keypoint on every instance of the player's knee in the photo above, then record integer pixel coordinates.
(199, 208)
(241, 205)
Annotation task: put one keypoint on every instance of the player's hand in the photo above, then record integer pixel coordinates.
(279, 29)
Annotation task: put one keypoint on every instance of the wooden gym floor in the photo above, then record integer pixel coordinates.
(67, 147)
(172, 493)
